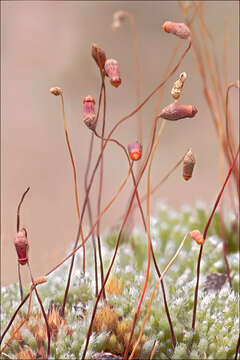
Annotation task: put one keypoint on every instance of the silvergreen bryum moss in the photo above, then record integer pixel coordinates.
(217, 322)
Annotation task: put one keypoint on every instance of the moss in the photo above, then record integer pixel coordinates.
(217, 320)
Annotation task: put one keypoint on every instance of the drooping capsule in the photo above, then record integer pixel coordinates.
(135, 150)
(56, 91)
(176, 111)
(99, 56)
(179, 29)
(188, 165)
(21, 245)
(113, 72)
(89, 116)
(118, 17)
(197, 236)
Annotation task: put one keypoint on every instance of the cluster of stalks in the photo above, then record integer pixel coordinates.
(216, 93)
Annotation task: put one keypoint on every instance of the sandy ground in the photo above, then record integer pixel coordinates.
(47, 44)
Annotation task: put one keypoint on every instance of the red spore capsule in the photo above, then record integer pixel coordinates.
(135, 150)
(176, 111)
(99, 56)
(89, 116)
(179, 29)
(197, 236)
(112, 71)
(188, 165)
(21, 245)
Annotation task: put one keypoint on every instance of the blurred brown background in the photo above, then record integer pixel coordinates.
(47, 43)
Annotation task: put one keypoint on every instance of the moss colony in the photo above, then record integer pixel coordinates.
(217, 324)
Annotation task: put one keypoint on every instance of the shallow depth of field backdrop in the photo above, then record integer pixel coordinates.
(48, 43)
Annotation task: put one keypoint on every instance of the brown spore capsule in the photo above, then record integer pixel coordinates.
(188, 165)
(99, 56)
(176, 111)
(56, 91)
(178, 86)
(113, 72)
(135, 150)
(89, 116)
(21, 245)
(179, 29)
(197, 236)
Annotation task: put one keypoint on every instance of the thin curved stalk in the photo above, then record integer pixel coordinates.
(157, 109)
(149, 240)
(137, 66)
(222, 232)
(72, 159)
(133, 28)
(77, 204)
(154, 292)
(229, 136)
(154, 349)
(230, 145)
(221, 219)
(90, 212)
(218, 73)
(224, 246)
(101, 185)
(20, 281)
(204, 236)
(225, 51)
(214, 78)
(237, 348)
(19, 207)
